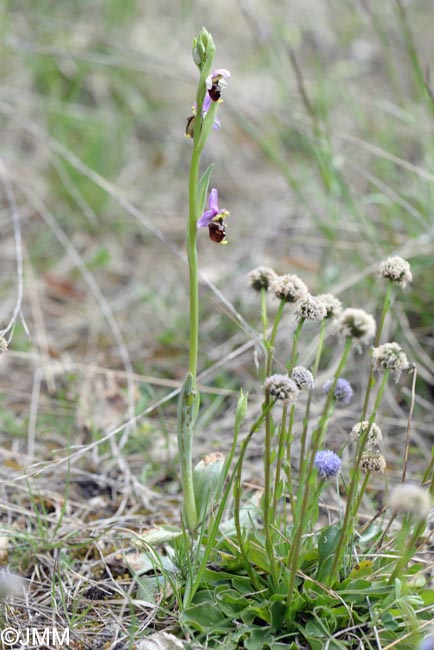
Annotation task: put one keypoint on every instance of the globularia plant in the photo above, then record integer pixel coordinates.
(292, 565)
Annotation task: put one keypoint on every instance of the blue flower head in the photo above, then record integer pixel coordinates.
(343, 393)
(427, 643)
(327, 463)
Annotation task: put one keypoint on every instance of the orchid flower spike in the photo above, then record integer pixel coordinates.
(213, 218)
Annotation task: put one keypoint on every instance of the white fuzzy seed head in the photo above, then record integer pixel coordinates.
(332, 304)
(357, 324)
(373, 461)
(408, 499)
(288, 287)
(396, 269)
(359, 430)
(390, 356)
(261, 278)
(303, 378)
(310, 308)
(282, 388)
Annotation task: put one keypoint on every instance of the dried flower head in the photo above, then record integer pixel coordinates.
(3, 344)
(396, 269)
(288, 287)
(311, 308)
(360, 429)
(261, 278)
(332, 304)
(357, 324)
(327, 463)
(282, 388)
(303, 378)
(390, 356)
(372, 461)
(409, 499)
(343, 392)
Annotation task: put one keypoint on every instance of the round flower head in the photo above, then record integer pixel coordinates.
(3, 344)
(396, 269)
(343, 393)
(374, 436)
(372, 461)
(303, 378)
(261, 278)
(327, 463)
(427, 643)
(409, 499)
(357, 324)
(332, 304)
(288, 287)
(282, 388)
(390, 357)
(311, 308)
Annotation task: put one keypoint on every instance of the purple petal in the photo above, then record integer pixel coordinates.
(221, 72)
(217, 124)
(214, 201)
(206, 218)
(206, 103)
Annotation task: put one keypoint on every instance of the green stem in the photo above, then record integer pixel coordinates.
(295, 339)
(346, 528)
(309, 398)
(371, 381)
(192, 262)
(264, 318)
(272, 338)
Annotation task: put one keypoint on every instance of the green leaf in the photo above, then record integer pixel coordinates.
(202, 189)
(327, 541)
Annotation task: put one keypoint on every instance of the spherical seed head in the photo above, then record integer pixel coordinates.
(409, 499)
(372, 461)
(327, 463)
(374, 436)
(390, 356)
(357, 324)
(343, 392)
(303, 378)
(288, 287)
(3, 344)
(310, 308)
(396, 269)
(282, 388)
(261, 278)
(332, 304)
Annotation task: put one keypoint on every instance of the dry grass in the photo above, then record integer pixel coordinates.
(93, 170)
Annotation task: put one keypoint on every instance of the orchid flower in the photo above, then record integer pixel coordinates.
(213, 218)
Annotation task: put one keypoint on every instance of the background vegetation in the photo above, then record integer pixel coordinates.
(325, 161)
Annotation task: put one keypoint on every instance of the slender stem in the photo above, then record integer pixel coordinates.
(280, 458)
(371, 381)
(267, 491)
(346, 529)
(309, 398)
(192, 262)
(287, 445)
(272, 338)
(264, 318)
(295, 339)
(408, 546)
